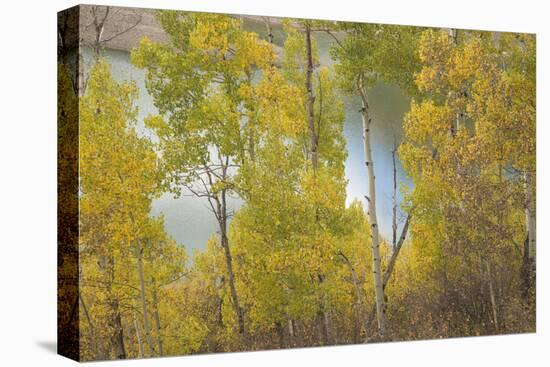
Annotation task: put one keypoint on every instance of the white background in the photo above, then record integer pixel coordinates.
(28, 181)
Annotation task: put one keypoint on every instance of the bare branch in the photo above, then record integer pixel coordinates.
(328, 31)
(123, 31)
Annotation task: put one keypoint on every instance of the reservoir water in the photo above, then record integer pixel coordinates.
(188, 219)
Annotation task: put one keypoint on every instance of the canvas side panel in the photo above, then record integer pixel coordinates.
(67, 184)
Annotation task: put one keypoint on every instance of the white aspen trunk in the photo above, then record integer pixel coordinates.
(81, 77)
(376, 260)
(138, 336)
(492, 295)
(394, 199)
(291, 332)
(99, 25)
(251, 127)
(310, 99)
(157, 318)
(531, 216)
(269, 29)
(146, 325)
(453, 33)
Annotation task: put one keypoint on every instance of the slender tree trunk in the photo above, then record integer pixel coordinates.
(280, 334)
(291, 333)
(326, 326)
(146, 325)
(394, 199)
(107, 264)
(322, 326)
(93, 338)
(391, 264)
(492, 296)
(310, 99)
(528, 268)
(81, 77)
(138, 336)
(99, 25)
(156, 316)
(324, 318)
(129, 335)
(531, 216)
(118, 335)
(269, 29)
(455, 125)
(231, 276)
(251, 143)
(393, 259)
(251, 127)
(222, 215)
(377, 268)
(453, 33)
(358, 295)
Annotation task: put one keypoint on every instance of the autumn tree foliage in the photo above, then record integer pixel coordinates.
(470, 149)
(368, 54)
(257, 133)
(125, 255)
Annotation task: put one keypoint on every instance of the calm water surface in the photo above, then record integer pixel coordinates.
(188, 219)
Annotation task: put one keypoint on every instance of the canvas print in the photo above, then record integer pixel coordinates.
(239, 183)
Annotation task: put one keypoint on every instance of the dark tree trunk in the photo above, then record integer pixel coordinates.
(310, 99)
(222, 211)
(280, 334)
(118, 334)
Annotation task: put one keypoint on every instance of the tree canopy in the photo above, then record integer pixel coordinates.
(257, 134)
